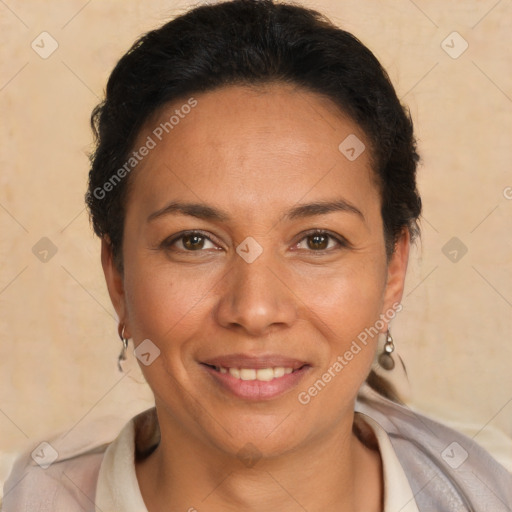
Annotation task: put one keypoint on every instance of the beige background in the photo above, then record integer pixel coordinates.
(58, 329)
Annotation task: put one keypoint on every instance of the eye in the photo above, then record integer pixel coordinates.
(318, 241)
(190, 241)
(195, 241)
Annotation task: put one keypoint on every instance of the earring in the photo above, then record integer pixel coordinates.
(122, 355)
(385, 358)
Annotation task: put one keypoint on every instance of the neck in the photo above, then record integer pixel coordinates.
(332, 473)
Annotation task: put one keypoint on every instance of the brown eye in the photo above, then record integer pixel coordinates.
(192, 242)
(318, 241)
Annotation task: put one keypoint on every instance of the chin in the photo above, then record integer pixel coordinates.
(258, 436)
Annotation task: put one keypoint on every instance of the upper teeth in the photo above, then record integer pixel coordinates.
(264, 374)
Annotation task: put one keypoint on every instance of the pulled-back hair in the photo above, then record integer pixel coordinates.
(252, 42)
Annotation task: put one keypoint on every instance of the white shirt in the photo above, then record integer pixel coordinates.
(118, 490)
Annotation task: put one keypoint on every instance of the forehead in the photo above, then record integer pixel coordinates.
(262, 146)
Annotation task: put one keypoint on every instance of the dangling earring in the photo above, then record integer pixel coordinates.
(122, 355)
(385, 358)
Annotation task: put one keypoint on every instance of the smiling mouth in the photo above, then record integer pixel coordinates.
(260, 374)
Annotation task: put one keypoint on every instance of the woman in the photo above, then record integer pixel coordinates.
(254, 190)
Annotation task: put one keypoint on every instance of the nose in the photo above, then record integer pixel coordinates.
(256, 297)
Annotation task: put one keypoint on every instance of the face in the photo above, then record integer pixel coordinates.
(254, 259)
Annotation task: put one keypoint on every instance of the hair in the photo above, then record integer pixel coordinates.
(252, 43)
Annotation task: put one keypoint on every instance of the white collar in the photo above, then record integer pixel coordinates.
(117, 489)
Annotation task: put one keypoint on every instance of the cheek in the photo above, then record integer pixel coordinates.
(348, 312)
(162, 301)
(347, 300)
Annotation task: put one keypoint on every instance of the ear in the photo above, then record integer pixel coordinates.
(397, 269)
(114, 280)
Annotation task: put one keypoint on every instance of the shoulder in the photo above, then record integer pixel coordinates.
(446, 469)
(60, 474)
(40, 483)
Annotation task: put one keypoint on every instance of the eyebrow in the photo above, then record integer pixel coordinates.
(204, 211)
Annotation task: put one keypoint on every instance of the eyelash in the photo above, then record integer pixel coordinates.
(342, 242)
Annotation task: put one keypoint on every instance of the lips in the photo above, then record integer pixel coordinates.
(261, 377)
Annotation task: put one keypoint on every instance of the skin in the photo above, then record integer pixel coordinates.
(296, 299)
